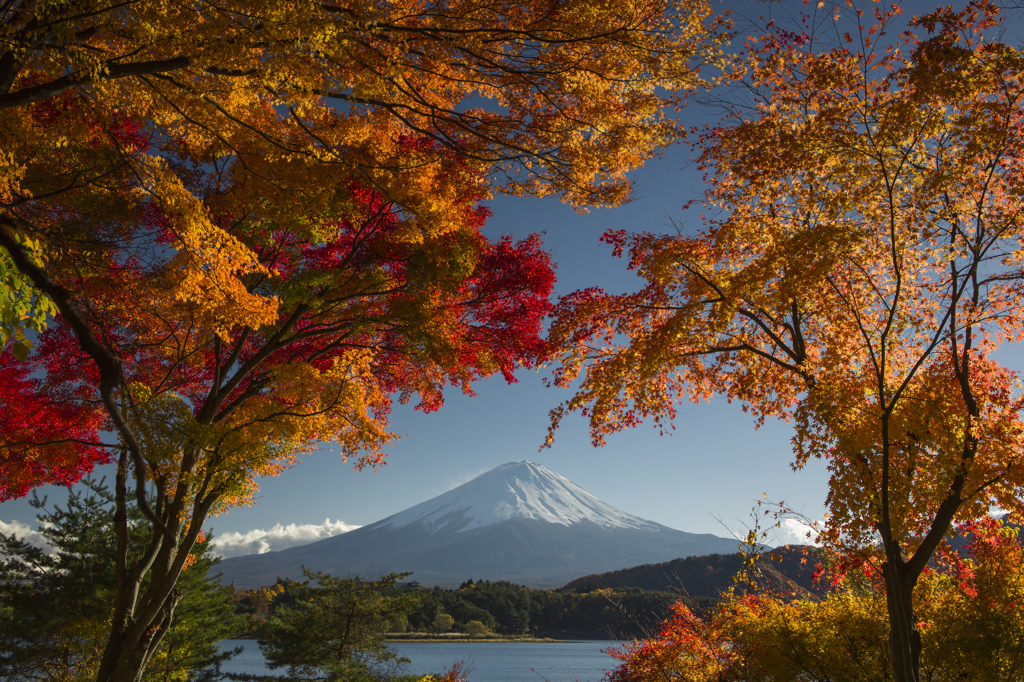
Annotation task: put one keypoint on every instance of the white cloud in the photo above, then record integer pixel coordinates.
(24, 532)
(279, 537)
(794, 532)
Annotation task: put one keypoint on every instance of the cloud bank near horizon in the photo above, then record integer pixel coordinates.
(279, 537)
(23, 532)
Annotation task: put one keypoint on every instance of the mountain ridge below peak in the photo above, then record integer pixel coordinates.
(519, 521)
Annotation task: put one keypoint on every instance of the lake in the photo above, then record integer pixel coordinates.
(487, 661)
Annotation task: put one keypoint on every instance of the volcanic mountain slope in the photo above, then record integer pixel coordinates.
(519, 522)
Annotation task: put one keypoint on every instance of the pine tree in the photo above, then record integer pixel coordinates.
(335, 628)
(55, 601)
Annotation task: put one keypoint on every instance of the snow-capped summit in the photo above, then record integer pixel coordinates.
(519, 522)
(517, 490)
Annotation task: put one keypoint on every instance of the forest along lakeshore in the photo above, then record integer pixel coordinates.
(232, 234)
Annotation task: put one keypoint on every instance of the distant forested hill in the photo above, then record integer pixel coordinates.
(620, 604)
(789, 568)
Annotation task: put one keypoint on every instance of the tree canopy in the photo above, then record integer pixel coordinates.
(132, 132)
(859, 265)
(246, 228)
(562, 96)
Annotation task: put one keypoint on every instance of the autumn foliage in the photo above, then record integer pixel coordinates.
(968, 605)
(31, 413)
(859, 264)
(231, 232)
(309, 340)
(562, 97)
(129, 134)
(379, 304)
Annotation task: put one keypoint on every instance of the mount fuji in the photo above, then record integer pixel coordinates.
(519, 521)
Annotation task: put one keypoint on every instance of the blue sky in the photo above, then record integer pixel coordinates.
(715, 466)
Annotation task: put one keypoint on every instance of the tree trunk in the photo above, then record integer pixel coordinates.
(128, 652)
(904, 637)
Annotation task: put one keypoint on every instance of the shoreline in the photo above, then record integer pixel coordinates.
(462, 638)
(459, 637)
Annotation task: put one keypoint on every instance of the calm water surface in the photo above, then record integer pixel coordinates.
(487, 661)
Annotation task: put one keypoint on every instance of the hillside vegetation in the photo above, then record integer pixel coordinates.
(788, 569)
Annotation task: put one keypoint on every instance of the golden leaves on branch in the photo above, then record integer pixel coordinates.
(22, 306)
(211, 265)
(565, 99)
(859, 263)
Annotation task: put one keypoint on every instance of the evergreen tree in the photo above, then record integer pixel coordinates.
(335, 628)
(55, 602)
(507, 602)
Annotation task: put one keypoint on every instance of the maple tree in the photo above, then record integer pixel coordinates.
(558, 96)
(220, 388)
(561, 98)
(245, 227)
(859, 265)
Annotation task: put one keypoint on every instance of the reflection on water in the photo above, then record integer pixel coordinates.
(486, 661)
